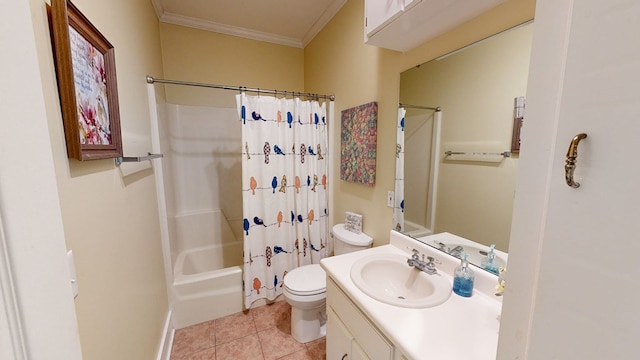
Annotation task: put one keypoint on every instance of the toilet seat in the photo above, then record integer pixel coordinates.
(306, 280)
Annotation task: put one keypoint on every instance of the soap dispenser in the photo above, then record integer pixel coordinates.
(463, 278)
(489, 263)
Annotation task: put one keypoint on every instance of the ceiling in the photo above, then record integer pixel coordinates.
(285, 22)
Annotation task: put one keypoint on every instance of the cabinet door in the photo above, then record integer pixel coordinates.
(356, 324)
(398, 356)
(410, 3)
(338, 338)
(357, 352)
(378, 13)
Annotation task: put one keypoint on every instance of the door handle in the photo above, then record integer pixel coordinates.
(572, 156)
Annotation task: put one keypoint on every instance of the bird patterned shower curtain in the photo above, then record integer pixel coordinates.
(284, 189)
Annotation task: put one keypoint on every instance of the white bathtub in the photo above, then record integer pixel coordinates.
(415, 230)
(207, 279)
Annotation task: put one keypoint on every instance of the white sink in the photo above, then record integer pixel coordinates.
(388, 278)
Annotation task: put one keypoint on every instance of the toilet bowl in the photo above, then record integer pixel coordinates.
(305, 288)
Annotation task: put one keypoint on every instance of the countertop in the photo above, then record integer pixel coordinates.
(460, 328)
(450, 240)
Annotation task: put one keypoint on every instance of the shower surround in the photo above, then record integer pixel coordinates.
(199, 197)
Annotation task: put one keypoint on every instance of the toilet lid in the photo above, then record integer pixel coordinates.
(306, 280)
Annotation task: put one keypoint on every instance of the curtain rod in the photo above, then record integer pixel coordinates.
(151, 80)
(408, 106)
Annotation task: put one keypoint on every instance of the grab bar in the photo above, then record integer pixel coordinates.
(149, 156)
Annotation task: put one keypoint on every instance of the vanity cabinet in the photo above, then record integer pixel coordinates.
(360, 327)
(350, 334)
(338, 338)
(404, 24)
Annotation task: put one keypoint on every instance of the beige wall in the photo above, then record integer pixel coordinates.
(475, 88)
(337, 61)
(111, 221)
(206, 57)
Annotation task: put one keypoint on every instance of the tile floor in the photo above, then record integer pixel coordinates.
(261, 333)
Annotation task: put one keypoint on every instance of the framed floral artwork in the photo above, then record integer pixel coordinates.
(85, 68)
(358, 144)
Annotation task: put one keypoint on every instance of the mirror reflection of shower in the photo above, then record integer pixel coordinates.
(476, 86)
(422, 135)
(418, 172)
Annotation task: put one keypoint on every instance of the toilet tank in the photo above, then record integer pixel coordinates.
(345, 241)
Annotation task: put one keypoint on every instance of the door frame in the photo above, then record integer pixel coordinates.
(39, 318)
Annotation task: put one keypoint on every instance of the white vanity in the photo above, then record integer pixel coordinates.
(360, 327)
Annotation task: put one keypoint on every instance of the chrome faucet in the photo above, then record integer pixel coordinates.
(457, 251)
(427, 266)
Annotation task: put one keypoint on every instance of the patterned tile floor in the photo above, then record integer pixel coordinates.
(261, 333)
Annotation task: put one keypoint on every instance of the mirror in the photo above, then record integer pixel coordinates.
(464, 198)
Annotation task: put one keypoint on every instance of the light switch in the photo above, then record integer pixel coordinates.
(72, 272)
(390, 198)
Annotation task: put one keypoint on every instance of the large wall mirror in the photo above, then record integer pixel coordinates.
(468, 193)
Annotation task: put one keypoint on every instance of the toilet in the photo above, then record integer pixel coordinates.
(305, 288)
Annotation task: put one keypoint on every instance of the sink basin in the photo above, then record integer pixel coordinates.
(388, 278)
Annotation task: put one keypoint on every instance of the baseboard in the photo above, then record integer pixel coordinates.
(166, 342)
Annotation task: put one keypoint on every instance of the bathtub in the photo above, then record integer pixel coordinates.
(416, 230)
(207, 279)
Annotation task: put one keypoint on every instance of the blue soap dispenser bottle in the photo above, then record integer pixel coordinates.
(489, 263)
(463, 278)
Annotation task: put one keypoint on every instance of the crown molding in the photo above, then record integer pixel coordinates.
(323, 20)
(230, 30)
(157, 6)
(207, 25)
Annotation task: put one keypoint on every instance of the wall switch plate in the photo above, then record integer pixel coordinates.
(390, 198)
(72, 272)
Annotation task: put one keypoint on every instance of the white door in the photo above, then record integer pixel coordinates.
(39, 319)
(575, 272)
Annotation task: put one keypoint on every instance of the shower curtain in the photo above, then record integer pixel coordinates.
(398, 206)
(284, 186)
